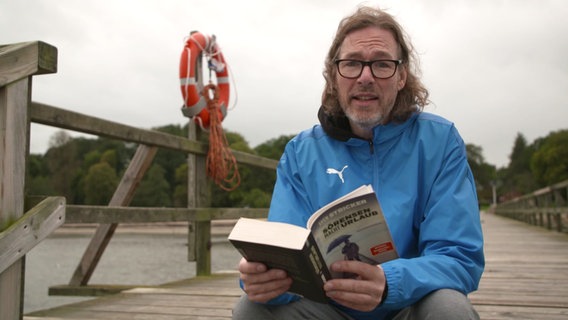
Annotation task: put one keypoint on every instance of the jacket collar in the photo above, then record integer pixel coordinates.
(336, 127)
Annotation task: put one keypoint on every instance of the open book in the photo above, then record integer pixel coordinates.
(350, 228)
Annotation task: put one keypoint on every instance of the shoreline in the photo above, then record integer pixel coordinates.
(219, 228)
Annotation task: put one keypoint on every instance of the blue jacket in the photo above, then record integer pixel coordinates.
(420, 173)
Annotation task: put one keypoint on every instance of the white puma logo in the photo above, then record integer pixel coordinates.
(338, 173)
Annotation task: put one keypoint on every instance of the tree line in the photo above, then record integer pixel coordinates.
(87, 171)
(531, 166)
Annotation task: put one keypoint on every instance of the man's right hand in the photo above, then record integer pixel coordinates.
(261, 284)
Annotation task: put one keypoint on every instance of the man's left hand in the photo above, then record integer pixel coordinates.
(364, 292)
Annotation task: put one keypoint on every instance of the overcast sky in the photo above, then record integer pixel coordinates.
(494, 68)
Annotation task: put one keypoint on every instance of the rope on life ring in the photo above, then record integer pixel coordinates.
(221, 164)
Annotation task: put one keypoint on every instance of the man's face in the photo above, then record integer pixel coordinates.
(366, 100)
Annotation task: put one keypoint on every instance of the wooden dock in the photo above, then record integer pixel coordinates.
(526, 277)
(526, 272)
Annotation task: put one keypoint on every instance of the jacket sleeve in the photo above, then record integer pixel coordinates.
(450, 240)
(290, 201)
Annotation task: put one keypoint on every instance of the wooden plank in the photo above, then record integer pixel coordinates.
(123, 195)
(92, 290)
(177, 300)
(21, 60)
(191, 291)
(30, 230)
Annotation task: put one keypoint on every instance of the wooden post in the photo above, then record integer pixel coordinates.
(18, 63)
(199, 233)
(13, 151)
(198, 196)
(559, 196)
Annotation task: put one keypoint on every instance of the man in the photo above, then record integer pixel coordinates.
(372, 125)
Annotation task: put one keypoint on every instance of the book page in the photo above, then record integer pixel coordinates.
(277, 234)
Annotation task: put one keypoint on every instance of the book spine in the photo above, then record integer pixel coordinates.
(317, 261)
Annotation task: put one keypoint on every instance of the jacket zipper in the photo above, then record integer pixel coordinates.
(371, 147)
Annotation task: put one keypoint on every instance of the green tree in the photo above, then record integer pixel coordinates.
(170, 160)
(100, 183)
(273, 148)
(483, 173)
(154, 190)
(39, 186)
(549, 163)
(38, 176)
(264, 179)
(474, 154)
(257, 198)
(517, 178)
(110, 157)
(37, 166)
(237, 142)
(59, 138)
(91, 158)
(180, 190)
(64, 166)
(520, 157)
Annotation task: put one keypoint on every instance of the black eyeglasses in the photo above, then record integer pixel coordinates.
(381, 69)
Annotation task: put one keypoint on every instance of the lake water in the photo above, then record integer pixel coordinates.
(130, 258)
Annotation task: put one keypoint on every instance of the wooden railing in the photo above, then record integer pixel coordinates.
(547, 207)
(18, 63)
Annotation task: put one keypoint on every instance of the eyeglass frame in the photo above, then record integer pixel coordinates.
(368, 63)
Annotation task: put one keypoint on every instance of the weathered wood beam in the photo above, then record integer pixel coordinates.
(21, 60)
(30, 230)
(92, 290)
(65, 119)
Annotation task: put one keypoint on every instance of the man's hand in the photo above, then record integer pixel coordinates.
(363, 293)
(260, 284)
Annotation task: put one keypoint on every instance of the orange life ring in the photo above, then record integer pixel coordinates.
(194, 104)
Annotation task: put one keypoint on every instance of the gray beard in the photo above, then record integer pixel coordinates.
(366, 123)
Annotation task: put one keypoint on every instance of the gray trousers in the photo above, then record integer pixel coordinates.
(443, 304)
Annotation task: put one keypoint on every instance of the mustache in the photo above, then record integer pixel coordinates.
(364, 88)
